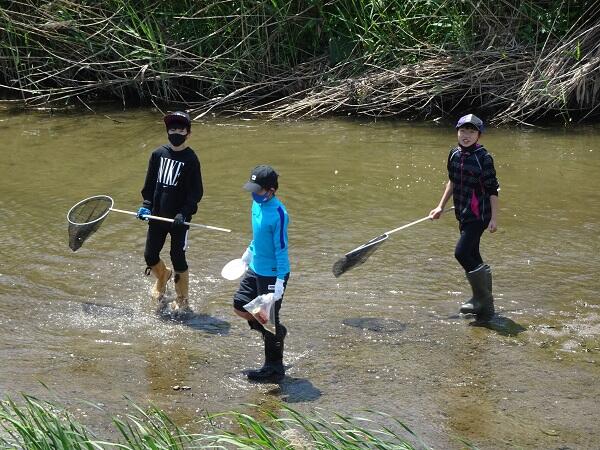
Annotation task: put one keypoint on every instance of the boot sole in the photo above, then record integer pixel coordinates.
(265, 376)
(484, 318)
(269, 379)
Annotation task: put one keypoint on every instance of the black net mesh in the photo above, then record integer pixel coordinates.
(86, 217)
(357, 256)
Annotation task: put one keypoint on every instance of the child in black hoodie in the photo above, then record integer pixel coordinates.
(172, 189)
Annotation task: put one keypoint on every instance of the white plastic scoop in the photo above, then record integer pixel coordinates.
(234, 269)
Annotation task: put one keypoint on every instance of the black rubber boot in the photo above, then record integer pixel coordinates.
(254, 325)
(480, 283)
(272, 371)
(473, 306)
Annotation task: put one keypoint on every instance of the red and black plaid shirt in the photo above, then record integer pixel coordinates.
(473, 175)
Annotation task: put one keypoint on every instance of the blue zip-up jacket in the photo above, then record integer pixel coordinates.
(269, 244)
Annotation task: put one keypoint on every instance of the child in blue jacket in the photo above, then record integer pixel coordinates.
(268, 267)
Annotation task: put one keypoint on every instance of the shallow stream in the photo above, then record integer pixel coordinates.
(385, 336)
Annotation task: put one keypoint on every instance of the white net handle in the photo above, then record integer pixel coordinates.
(147, 216)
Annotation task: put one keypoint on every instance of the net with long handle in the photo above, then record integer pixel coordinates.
(360, 254)
(86, 217)
(357, 256)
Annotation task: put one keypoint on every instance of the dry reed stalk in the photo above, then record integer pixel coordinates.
(560, 81)
(487, 78)
(95, 54)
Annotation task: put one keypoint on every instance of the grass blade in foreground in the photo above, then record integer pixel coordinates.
(41, 425)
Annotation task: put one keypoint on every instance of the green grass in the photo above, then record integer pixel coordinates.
(41, 425)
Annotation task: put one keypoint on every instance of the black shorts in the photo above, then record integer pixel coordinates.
(253, 285)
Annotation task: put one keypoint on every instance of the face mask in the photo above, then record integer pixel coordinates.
(260, 198)
(177, 139)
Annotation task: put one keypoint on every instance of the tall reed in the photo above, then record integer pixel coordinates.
(307, 57)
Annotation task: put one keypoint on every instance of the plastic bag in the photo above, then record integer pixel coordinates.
(263, 310)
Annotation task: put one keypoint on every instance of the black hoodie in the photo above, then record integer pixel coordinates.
(173, 183)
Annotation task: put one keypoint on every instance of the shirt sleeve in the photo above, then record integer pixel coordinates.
(150, 182)
(449, 164)
(490, 182)
(194, 190)
(280, 243)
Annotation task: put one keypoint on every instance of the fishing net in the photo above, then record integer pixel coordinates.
(357, 256)
(86, 217)
(360, 254)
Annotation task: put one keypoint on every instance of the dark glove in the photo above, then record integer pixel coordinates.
(143, 211)
(178, 220)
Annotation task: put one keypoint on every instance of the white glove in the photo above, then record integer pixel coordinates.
(247, 256)
(278, 289)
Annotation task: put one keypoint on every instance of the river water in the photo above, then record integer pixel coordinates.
(385, 336)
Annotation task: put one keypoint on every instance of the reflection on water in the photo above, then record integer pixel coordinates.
(386, 336)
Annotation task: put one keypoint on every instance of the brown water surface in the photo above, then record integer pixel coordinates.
(385, 336)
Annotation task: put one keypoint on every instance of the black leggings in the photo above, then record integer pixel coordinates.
(467, 247)
(155, 240)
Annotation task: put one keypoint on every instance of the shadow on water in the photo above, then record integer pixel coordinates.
(208, 324)
(377, 324)
(99, 309)
(501, 325)
(296, 390)
(196, 321)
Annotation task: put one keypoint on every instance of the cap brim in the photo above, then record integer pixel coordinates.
(252, 187)
(477, 127)
(176, 123)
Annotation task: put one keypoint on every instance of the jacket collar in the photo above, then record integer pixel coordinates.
(470, 149)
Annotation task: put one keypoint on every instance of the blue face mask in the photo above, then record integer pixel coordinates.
(260, 198)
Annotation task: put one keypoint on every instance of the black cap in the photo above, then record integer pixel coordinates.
(180, 118)
(470, 119)
(262, 177)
